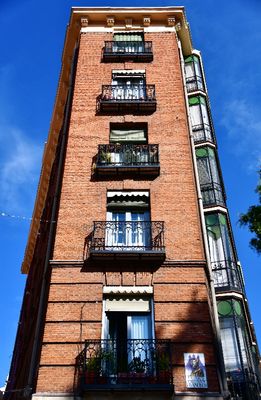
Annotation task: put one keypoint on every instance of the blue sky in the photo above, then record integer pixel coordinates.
(32, 33)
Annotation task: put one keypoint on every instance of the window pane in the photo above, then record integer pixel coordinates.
(229, 344)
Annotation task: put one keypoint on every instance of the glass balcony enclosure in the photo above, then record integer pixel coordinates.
(227, 274)
(200, 119)
(209, 178)
(193, 72)
(243, 382)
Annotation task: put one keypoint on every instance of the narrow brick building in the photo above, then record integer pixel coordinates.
(134, 288)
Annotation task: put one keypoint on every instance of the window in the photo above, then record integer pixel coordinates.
(193, 73)
(200, 119)
(128, 42)
(128, 85)
(234, 337)
(128, 133)
(128, 323)
(209, 176)
(129, 215)
(225, 269)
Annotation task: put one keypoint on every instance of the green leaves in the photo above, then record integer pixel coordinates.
(253, 220)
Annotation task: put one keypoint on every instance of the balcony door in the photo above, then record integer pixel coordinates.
(130, 335)
(128, 147)
(128, 42)
(128, 229)
(128, 87)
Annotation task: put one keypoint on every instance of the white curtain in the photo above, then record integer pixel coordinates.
(195, 115)
(139, 329)
(189, 70)
(123, 234)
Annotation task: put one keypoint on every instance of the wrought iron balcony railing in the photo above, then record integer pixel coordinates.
(131, 364)
(194, 83)
(212, 194)
(137, 97)
(129, 238)
(116, 158)
(227, 276)
(139, 51)
(202, 133)
(243, 385)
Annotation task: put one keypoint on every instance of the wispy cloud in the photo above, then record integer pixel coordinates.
(243, 124)
(19, 170)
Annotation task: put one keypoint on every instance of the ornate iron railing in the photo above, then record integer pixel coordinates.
(133, 236)
(243, 385)
(212, 194)
(128, 93)
(194, 83)
(202, 133)
(132, 363)
(227, 274)
(122, 48)
(128, 154)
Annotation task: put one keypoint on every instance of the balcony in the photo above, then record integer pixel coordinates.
(116, 159)
(212, 194)
(243, 385)
(227, 276)
(127, 98)
(134, 364)
(130, 50)
(140, 240)
(202, 133)
(194, 84)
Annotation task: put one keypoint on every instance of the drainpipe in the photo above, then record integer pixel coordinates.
(44, 287)
(215, 324)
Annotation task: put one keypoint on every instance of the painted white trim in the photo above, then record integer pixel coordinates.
(160, 28)
(98, 29)
(208, 210)
(230, 295)
(122, 29)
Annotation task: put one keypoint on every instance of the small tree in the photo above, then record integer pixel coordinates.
(253, 219)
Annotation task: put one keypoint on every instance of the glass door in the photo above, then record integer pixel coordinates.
(128, 229)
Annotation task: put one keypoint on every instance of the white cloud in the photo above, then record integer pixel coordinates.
(243, 124)
(19, 171)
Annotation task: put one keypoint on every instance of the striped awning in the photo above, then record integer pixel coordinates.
(119, 193)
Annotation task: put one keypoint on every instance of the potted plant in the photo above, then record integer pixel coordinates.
(137, 368)
(92, 370)
(105, 157)
(163, 367)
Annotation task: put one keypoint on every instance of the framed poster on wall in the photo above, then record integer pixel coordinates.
(195, 370)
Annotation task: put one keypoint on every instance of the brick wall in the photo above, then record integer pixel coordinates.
(180, 293)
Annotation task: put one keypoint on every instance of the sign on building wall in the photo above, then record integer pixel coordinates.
(195, 370)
